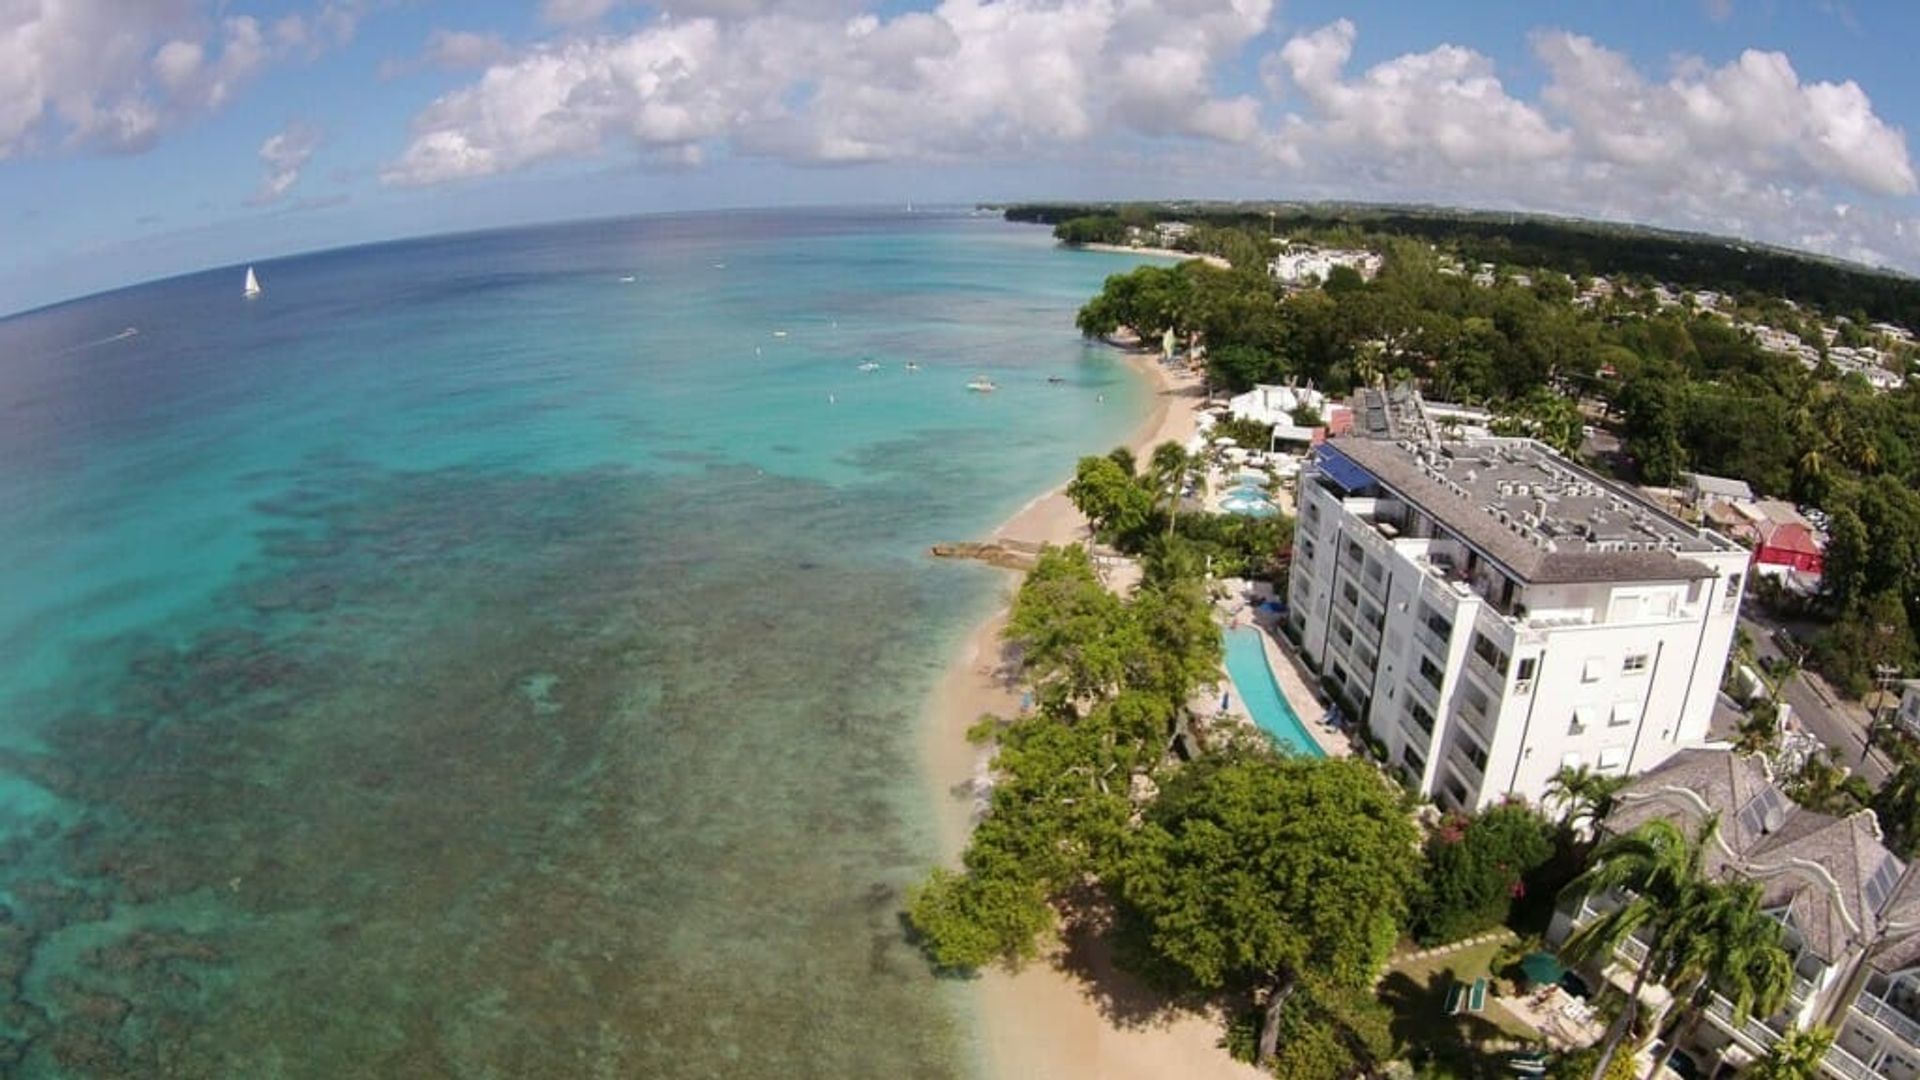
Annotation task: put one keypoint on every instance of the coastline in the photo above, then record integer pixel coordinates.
(1214, 261)
(1071, 1013)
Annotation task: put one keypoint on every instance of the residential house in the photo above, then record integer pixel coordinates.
(1842, 899)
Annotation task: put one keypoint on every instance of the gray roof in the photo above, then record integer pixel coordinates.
(1815, 866)
(1724, 487)
(1545, 519)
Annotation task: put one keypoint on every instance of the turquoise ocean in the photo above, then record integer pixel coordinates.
(504, 655)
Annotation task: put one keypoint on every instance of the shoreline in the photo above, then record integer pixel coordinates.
(1214, 261)
(1070, 1013)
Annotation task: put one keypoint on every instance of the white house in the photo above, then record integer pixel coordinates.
(1275, 406)
(1493, 611)
(1301, 266)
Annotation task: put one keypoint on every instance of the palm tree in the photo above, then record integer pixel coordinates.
(1582, 795)
(1167, 471)
(1733, 948)
(1661, 871)
(1797, 1056)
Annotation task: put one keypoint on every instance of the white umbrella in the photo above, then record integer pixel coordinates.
(1225, 440)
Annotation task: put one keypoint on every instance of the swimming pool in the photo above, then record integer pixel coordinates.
(1260, 695)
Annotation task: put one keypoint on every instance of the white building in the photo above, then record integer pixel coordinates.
(1493, 611)
(1299, 267)
(1848, 907)
(1265, 404)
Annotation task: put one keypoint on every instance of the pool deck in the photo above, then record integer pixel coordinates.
(1292, 680)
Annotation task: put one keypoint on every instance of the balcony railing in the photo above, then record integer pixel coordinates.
(1435, 644)
(1842, 1064)
(1758, 1035)
(1889, 1017)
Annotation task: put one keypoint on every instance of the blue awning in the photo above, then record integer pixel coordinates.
(1341, 469)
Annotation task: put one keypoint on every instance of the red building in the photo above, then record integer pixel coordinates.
(1789, 545)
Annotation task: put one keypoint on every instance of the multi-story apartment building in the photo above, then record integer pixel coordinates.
(1850, 910)
(1493, 611)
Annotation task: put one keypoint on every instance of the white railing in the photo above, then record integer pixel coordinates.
(1759, 1036)
(1842, 1064)
(1889, 1017)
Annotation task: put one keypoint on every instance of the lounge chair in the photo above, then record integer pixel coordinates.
(1477, 997)
(1456, 997)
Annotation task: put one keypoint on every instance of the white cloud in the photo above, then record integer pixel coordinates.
(809, 83)
(451, 50)
(1746, 147)
(572, 12)
(284, 154)
(111, 75)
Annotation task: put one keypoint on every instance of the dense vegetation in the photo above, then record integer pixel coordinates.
(1138, 512)
(1476, 867)
(1579, 248)
(1687, 390)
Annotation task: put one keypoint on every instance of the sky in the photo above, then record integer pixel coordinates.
(144, 138)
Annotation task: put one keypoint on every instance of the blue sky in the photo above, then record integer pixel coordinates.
(170, 135)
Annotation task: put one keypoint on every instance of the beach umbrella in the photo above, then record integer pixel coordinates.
(1542, 968)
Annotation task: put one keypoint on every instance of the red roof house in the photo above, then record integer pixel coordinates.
(1789, 545)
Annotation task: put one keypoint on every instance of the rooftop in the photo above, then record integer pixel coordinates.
(1544, 518)
(1831, 876)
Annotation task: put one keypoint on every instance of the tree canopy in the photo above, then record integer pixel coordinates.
(1269, 873)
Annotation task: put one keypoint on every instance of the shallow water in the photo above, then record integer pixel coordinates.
(462, 662)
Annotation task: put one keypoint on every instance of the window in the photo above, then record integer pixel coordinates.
(1880, 886)
(1613, 757)
(1634, 663)
(1342, 631)
(1313, 513)
(1437, 623)
(1590, 672)
(1624, 713)
(1354, 554)
(1488, 651)
(1527, 666)
(1570, 761)
(1421, 717)
(1351, 594)
(1475, 755)
(1414, 762)
(1431, 672)
(1585, 717)
(1732, 598)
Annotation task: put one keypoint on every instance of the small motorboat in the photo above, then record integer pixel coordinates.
(870, 366)
(1055, 380)
(982, 385)
(911, 366)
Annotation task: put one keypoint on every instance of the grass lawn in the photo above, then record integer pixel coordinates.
(1416, 992)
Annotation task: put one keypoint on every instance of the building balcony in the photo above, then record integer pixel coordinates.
(1897, 1023)
(1844, 1065)
(1756, 1036)
(1434, 643)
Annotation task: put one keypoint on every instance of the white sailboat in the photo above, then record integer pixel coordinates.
(252, 287)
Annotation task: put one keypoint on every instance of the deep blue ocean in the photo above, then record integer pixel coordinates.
(503, 655)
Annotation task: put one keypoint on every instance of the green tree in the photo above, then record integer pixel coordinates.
(1897, 805)
(1797, 1056)
(1108, 495)
(1239, 880)
(1735, 949)
(1474, 868)
(1659, 869)
(1582, 795)
(1168, 470)
(1552, 418)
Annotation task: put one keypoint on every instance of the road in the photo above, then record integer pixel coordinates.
(1842, 725)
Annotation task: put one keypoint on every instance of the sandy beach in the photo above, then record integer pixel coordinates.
(1071, 1014)
(1214, 261)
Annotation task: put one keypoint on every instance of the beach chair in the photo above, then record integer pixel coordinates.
(1477, 997)
(1456, 997)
